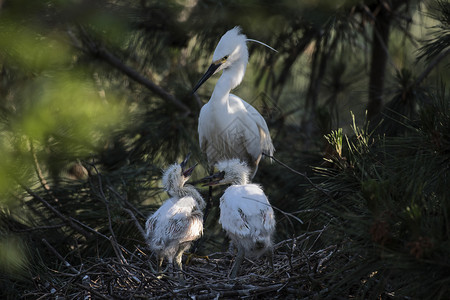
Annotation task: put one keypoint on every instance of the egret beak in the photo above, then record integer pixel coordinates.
(189, 171)
(214, 179)
(211, 70)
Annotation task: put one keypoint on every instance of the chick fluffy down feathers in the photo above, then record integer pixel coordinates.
(247, 217)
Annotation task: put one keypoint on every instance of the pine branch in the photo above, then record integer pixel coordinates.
(60, 215)
(430, 67)
(107, 56)
(133, 74)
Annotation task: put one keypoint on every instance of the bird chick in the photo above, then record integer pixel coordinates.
(245, 212)
(228, 126)
(179, 221)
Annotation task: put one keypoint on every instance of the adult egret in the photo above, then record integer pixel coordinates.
(245, 212)
(179, 221)
(229, 127)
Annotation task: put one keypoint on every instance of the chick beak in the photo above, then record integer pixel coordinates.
(211, 70)
(184, 162)
(214, 179)
(189, 171)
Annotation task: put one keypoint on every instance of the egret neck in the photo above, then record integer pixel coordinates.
(231, 78)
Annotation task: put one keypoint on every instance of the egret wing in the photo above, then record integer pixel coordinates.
(202, 127)
(265, 139)
(257, 133)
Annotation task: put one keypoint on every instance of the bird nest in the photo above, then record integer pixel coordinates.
(128, 275)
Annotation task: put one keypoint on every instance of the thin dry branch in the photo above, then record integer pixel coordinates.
(136, 222)
(125, 201)
(296, 271)
(37, 167)
(301, 174)
(60, 215)
(59, 256)
(46, 187)
(101, 194)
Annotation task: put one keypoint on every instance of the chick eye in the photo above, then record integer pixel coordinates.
(225, 58)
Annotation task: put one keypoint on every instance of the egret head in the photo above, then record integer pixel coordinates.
(176, 175)
(232, 47)
(231, 171)
(230, 50)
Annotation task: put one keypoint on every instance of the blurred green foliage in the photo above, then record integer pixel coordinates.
(12, 256)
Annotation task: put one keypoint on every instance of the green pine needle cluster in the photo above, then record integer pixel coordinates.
(390, 207)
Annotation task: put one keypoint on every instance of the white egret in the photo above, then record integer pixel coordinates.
(229, 127)
(245, 212)
(179, 221)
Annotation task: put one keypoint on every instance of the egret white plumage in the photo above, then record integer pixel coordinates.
(229, 127)
(179, 221)
(245, 212)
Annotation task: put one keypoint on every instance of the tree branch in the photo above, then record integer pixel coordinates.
(114, 61)
(133, 74)
(430, 67)
(57, 212)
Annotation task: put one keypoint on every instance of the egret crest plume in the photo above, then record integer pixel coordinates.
(256, 41)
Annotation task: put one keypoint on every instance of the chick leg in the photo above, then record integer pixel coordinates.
(160, 261)
(170, 266)
(179, 265)
(270, 258)
(237, 263)
(159, 271)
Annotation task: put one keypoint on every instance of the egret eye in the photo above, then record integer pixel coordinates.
(224, 59)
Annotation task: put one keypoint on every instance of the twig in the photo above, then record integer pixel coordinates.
(102, 196)
(46, 187)
(288, 214)
(136, 222)
(299, 173)
(39, 228)
(89, 228)
(125, 201)
(91, 290)
(59, 256)
(113, 279)
(67, 220)
(243, 292)
(41, 177)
